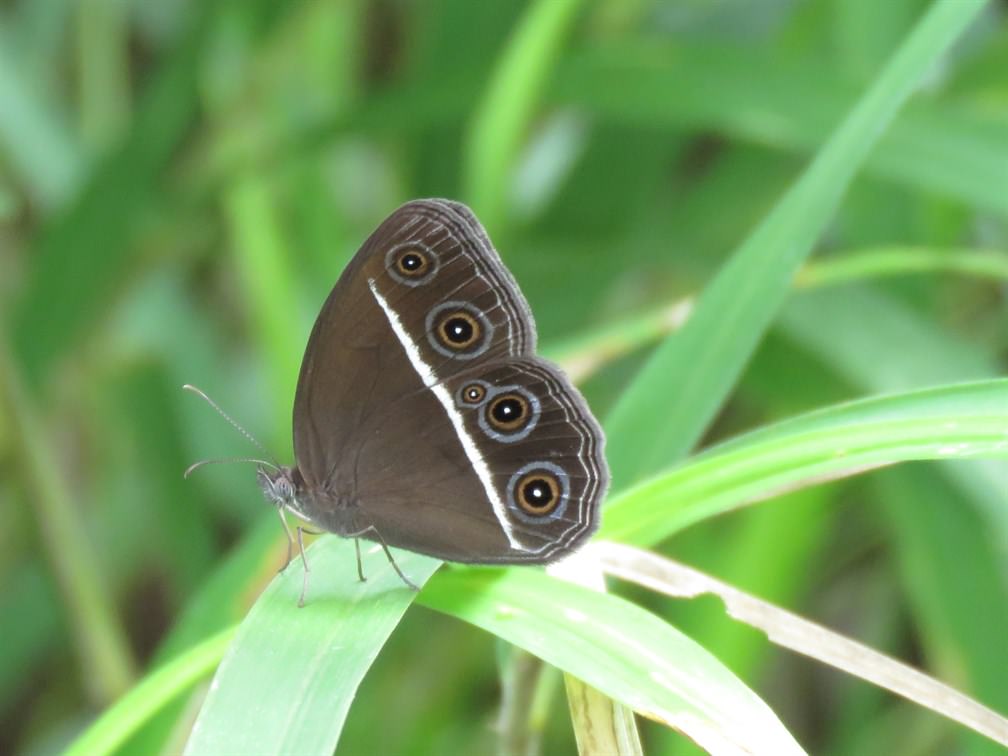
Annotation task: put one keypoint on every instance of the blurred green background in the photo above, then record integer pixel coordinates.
(182, 182)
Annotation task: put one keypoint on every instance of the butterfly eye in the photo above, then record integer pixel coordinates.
(509, 412)
(538, 493)
(473, 393)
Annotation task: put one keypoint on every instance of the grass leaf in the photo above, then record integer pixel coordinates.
(618, 648)
(287, 681)
(693, 371)
(959, 421)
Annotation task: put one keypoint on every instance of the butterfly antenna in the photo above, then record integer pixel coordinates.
(203, 462)
(234, 424)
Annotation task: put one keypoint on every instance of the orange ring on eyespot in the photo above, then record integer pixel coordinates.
(412, 262)
(459, 330)
(501, 403)
(474, 393)
(531, 496)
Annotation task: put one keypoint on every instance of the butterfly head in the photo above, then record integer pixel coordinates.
(277, 485)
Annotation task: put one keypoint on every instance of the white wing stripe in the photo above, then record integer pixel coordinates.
(426, 374)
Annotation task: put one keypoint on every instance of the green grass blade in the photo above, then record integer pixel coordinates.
(28, 592)
(503, 116)
(947, 525)
(880, 262)
(961, 421)
(82, 256)
(288, 679)
(107, 664)
(35, 140)
(853, 331)
(790, 106)
(318, 655)
(102, 69)
(657, 573)
(942, 546)
(222, 601)
(225, 596)
(84, 253)
(130, 712)
(263, 258)
(618, 648)
(583, 355)
(698, 366)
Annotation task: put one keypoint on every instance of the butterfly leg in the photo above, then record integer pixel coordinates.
(290, 538)
(304, 561)
(360, 568)
(373, 531)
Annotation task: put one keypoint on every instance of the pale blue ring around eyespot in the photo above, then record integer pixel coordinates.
(469, 309)
(432, 261)
(522, 471)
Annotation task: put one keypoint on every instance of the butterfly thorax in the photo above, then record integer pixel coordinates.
(285, 488)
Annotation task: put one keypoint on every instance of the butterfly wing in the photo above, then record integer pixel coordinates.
(425, 309)
(528, 487)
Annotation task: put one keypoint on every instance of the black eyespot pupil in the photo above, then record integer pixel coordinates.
(537, 493)
(411, 262)
(458, 330)
(474, 393)
(508, 410)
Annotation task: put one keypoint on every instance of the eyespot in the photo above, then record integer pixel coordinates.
(539, 491)
(472, 394)
(411, 263)
(459, 330)
(508, 412)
